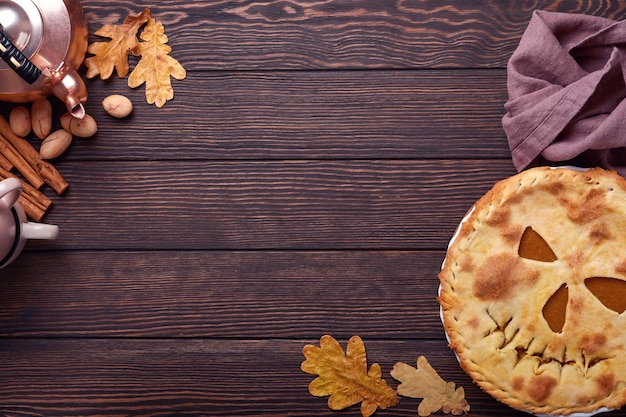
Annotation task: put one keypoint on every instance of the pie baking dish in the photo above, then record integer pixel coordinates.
(531, 290)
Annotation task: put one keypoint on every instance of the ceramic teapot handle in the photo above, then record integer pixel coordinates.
(10, 191)
(17, 60)
(40, 231)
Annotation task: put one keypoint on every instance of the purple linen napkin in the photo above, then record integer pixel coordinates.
(566, 85)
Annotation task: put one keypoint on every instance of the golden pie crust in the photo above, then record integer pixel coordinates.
(493, 299)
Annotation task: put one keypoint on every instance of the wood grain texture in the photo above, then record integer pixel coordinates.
(345, 204)
(333, 34)
(305, 180)
(243, 294)
(304, 115)
(153, 377)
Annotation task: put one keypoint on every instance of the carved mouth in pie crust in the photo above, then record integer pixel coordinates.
(533, 291)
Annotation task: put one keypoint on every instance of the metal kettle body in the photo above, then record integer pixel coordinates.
(42, 44)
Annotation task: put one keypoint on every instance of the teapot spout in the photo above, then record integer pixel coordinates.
(71, 89)
(74, 107)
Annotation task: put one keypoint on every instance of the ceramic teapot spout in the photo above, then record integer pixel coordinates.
(70, 89)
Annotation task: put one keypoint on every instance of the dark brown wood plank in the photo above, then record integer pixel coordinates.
(268, 204)
(305, 181)
(258, 294)
(117, 377)
(277, 34)
(304, 115)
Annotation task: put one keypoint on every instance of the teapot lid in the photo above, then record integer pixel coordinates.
(22, 22)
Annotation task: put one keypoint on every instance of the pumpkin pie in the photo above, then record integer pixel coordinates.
(533, 291)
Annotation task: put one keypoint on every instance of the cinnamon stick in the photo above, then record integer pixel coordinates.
(31, 208)
(45, 170)
(36, 196)
(19, 162)
(33, 201)
(4, 163)
(28, 189)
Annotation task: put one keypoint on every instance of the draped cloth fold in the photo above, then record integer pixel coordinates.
(567, 83)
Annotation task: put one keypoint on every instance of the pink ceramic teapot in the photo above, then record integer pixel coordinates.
(42, 44)
(15, 229)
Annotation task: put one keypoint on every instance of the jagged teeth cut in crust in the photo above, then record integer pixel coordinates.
(492, 299)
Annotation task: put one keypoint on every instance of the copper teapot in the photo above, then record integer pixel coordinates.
(42, 44)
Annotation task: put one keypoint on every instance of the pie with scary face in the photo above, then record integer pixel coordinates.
(533, 291)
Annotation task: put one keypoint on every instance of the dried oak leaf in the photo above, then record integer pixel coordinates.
(113, 54)
(345, 376)
(424, 382)
(155, 67)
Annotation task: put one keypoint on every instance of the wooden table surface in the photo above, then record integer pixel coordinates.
(304, 181)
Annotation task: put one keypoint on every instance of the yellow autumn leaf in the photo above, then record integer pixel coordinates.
(155, 67)
(345, 376)
(113, 54)
(424, 382)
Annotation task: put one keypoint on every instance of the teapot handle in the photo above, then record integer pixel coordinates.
(17, 60)
(45, 231)
(10, 191)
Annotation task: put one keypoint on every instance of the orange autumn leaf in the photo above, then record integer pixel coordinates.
(155, 66)
(113, 54)
(345, 376)
(424, 382)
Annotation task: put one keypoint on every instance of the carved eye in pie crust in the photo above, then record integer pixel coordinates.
(611, 292)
